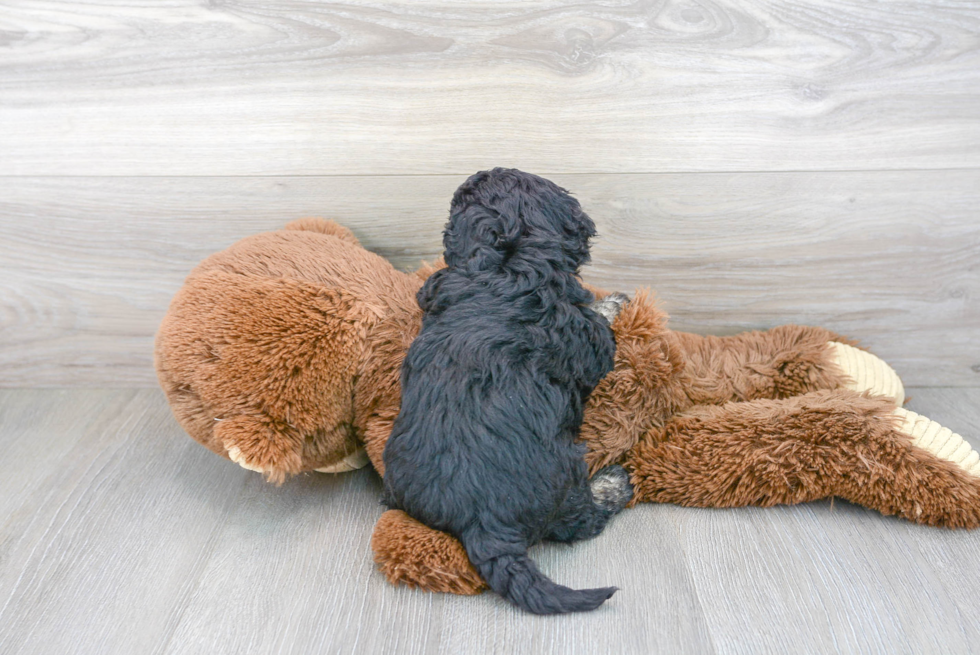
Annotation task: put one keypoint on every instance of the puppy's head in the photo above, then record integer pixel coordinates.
(505, 218)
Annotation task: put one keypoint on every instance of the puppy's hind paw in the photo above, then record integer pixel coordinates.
(610, 306)
(611, 488)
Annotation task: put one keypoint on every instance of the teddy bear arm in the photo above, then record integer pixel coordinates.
(377, 390)
(375, 433)
(818, 445)
(261, 444)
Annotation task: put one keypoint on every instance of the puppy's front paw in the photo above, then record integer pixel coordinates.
(611, 305)
(611, 488)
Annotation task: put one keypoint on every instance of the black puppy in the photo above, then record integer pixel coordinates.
(493, 389)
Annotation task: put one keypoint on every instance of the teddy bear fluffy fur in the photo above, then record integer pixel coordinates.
(283, 353)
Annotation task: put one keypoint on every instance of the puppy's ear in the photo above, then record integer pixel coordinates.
(577, 231)
(479, 237)
(560, 231)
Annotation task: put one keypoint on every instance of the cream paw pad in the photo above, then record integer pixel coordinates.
(235, 455)
(356, 460)
(941, 442)
(866, 372)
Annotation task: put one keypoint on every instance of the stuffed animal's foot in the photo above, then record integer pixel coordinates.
(411, 553)
(611, 488)
(941, 442)
(867, 373)
(933, 474)
(356, 460)
(257, 444)
(610, 306)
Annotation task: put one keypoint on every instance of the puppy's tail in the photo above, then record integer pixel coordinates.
(516, 578)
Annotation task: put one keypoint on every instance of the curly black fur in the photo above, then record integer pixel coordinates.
(494, 385)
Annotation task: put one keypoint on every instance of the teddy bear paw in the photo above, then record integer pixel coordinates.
(356, 460)
(235, 454)
(259, 444)
(611, 305)
(941, 442)
(867, 373)
(611, 488)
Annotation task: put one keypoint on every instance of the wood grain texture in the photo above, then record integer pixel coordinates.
(101, 554)
(38, 438)
(89, 264)
(953, 569)
(132, 538)
(784, 579)
(242, 87)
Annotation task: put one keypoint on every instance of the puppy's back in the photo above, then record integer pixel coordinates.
(493, 387)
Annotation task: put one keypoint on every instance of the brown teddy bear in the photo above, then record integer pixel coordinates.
(283, 354)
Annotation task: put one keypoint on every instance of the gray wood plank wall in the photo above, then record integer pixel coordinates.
(300, 87)
(756, 163)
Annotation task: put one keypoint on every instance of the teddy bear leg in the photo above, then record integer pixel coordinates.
(785, 361)
(261, 444)
(410, 553)
(821, 444)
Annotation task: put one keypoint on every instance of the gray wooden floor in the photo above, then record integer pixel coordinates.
(121, 535)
